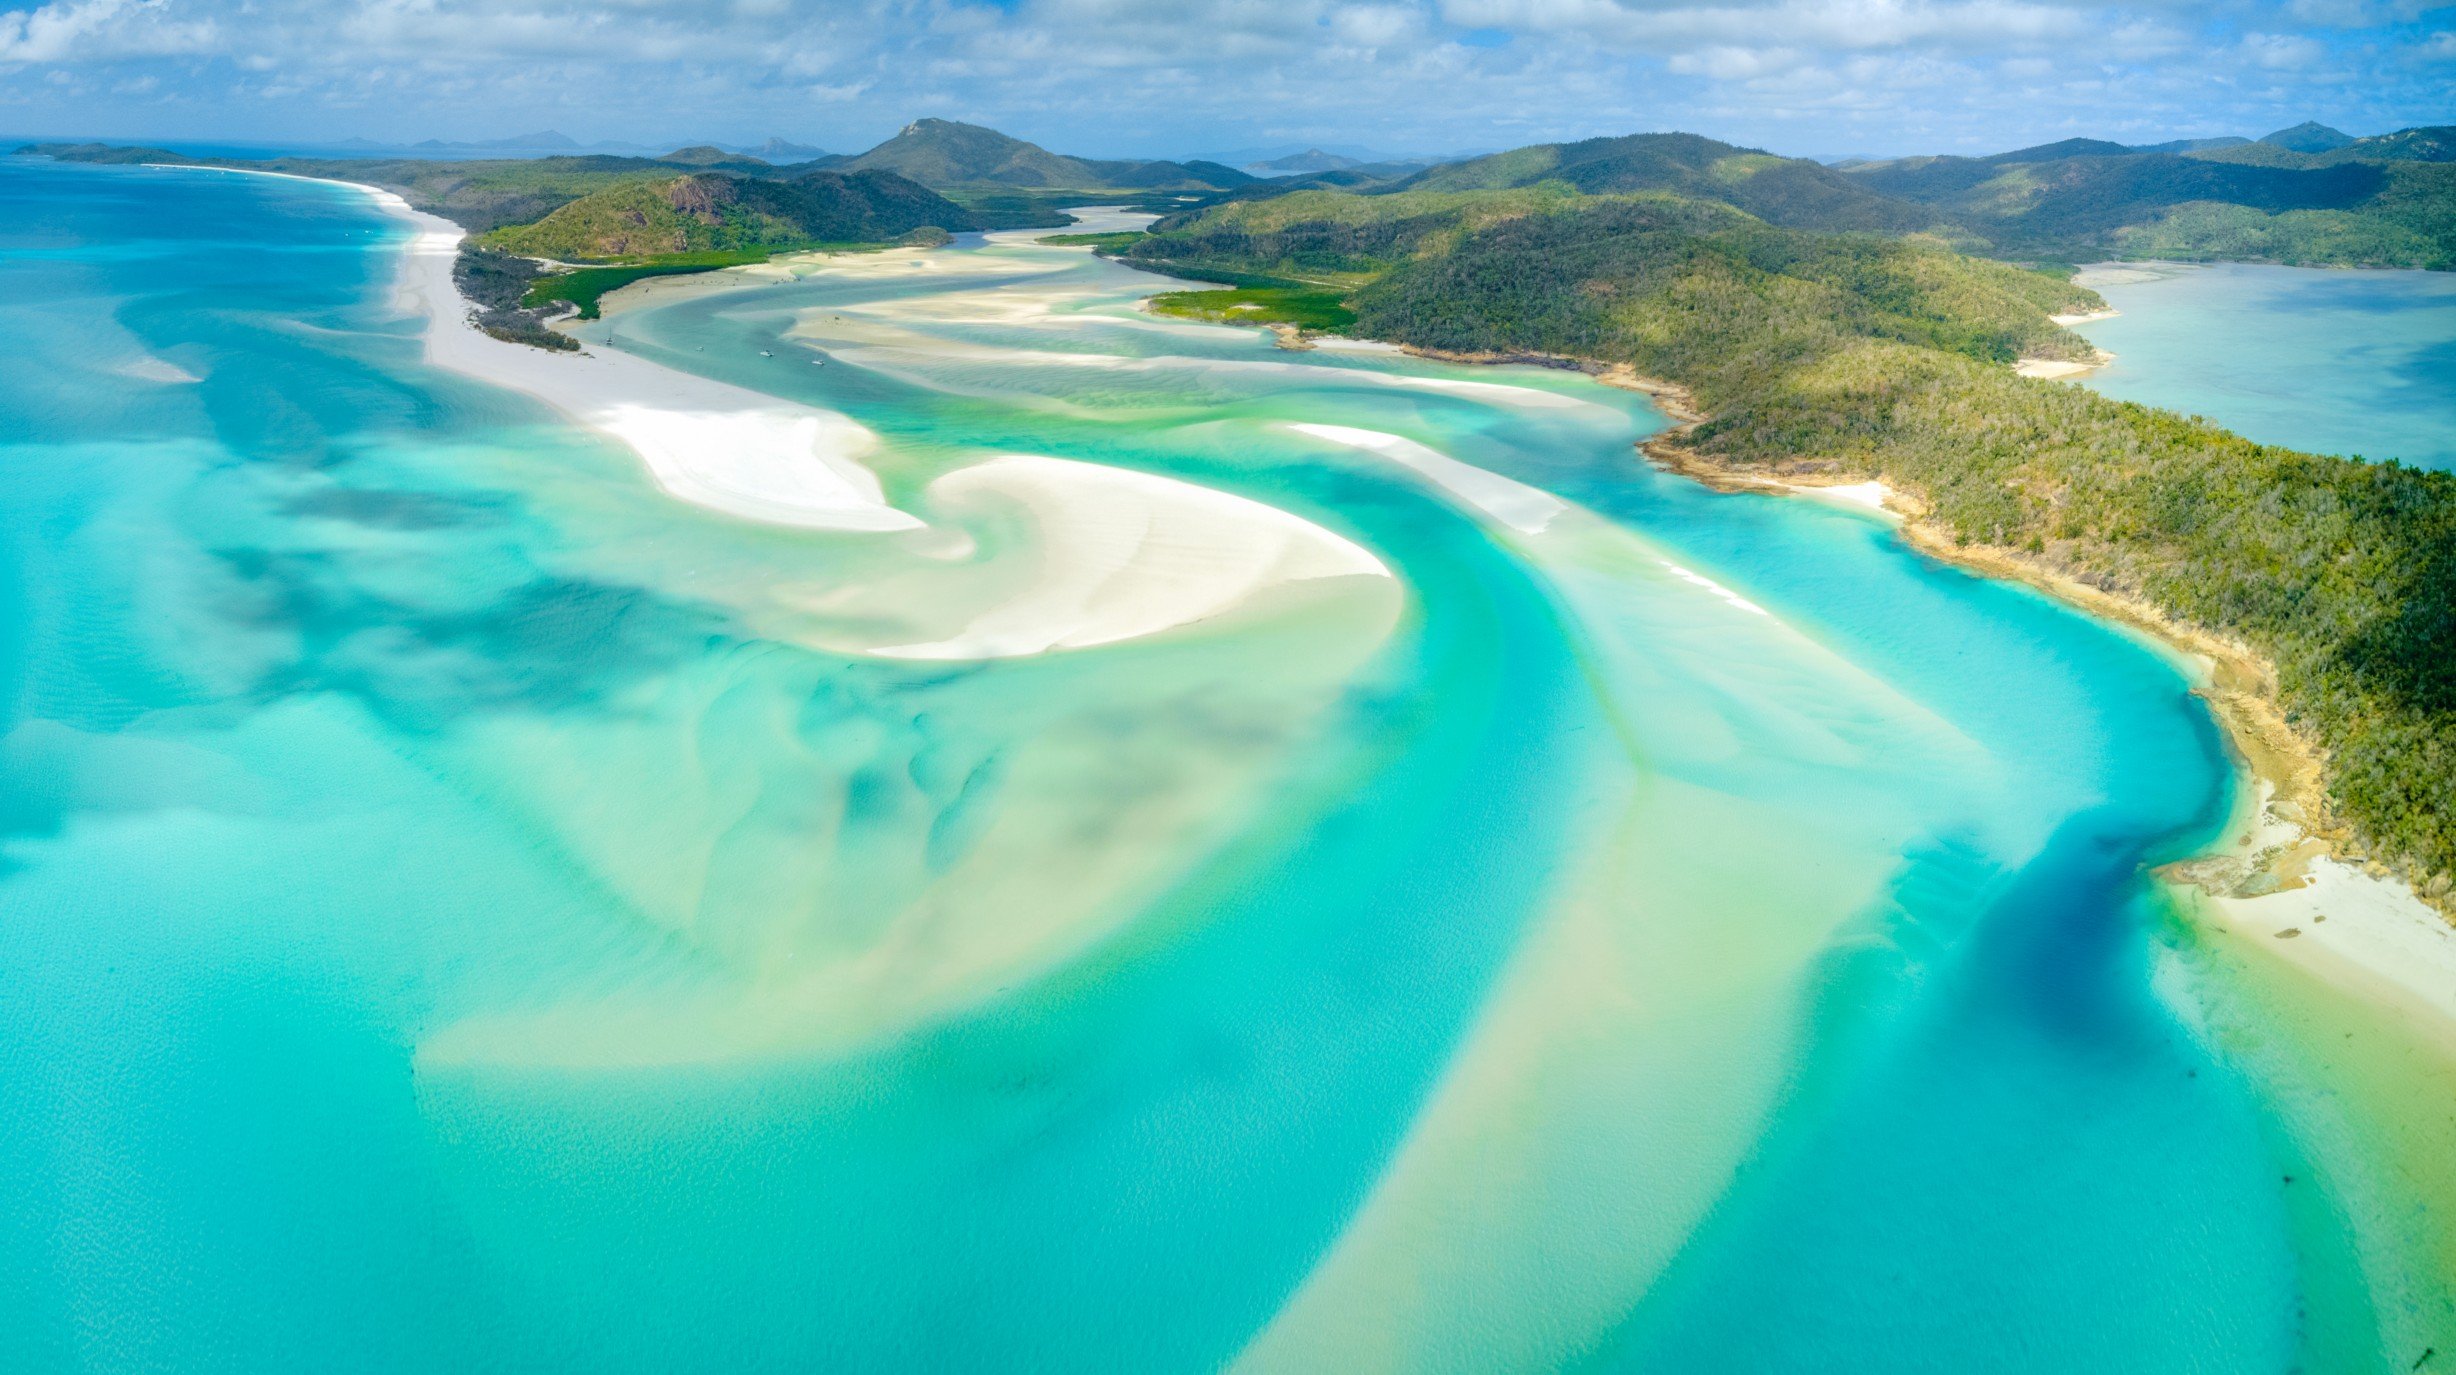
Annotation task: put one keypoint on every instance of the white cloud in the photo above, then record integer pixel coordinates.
(1839, 25)
(1187, 76)
(2283, 52)
(1734, 64)
(90, 29)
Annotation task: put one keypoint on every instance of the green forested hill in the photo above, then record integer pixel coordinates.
(2387, 200)
(1881, 356)
(2384, 201)
(2436, 143)
(2248, 201)
(1786, 191)
(712, 212)
(942, 153)
(2310, 136)
(479, 195)
(1314, 233)
(1562, 254)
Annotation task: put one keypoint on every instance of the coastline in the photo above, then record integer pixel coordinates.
(2284, 833)
(2062, 369)
(731, 450)
(2281, 857)
(721, 447)
(2281, 868)
(2242, 685)
(1128, 554)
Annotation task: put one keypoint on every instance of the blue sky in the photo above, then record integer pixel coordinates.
(1178, 77)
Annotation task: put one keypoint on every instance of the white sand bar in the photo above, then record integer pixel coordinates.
(1525, 509)
(722, 447)
(718, 446)
(2372, 935)
(1123, 554)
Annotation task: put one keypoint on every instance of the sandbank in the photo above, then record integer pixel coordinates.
(1123, 554)
(1528, 510)
(2358, 931)
(161, 370)
(714, 445)
(906, 346)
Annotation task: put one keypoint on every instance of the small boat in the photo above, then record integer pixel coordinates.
(765, 354)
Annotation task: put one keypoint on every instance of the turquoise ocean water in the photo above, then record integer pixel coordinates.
(2359, 363)
(455, 915)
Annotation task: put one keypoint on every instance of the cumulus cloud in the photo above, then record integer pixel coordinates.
(89, 30)
(1187, 76)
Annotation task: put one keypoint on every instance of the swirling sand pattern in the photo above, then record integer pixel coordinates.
(472, 903)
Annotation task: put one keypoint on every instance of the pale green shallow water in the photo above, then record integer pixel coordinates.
(2327, 360)
(452, 917)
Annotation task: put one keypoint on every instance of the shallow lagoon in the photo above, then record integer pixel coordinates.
(2330, 361)
(460, 915)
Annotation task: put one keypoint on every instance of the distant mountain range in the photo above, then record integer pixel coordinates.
(547, 141)
(2307, 194)
(1792, 192)
(1310, 160)
(1335, 169)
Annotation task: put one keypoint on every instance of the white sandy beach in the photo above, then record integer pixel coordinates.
(1121, 555)
(718, 446)
(2056, 369)
(1867, 496)
(2367, 934)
